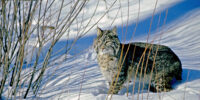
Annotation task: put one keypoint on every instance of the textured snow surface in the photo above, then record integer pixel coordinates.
(79, 78)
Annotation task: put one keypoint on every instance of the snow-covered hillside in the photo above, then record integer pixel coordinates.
(78, 77)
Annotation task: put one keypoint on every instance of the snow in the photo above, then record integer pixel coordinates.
(99, 8)
(78, 77)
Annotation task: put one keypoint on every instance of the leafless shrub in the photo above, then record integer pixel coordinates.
(27, 26)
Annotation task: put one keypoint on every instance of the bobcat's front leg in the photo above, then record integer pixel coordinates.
(114, 88)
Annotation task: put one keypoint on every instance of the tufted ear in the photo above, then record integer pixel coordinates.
(114, 30)
(99, 31)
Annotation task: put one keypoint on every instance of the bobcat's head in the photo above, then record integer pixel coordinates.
(107, 42)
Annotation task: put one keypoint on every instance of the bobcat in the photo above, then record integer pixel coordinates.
(156, 64)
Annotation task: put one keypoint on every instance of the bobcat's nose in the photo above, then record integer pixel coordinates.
(102, 47)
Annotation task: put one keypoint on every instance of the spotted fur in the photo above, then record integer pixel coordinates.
(156, 64)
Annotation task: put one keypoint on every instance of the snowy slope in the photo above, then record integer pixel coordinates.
(106, 14)
(78, 77)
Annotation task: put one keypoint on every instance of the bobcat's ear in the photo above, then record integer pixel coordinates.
(99, 31)
(114, 30)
